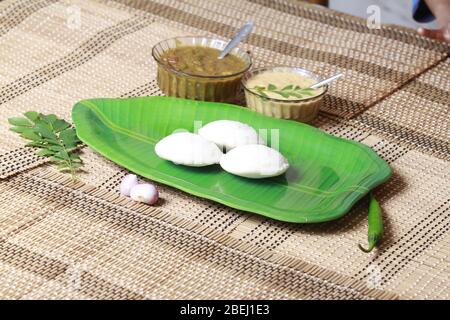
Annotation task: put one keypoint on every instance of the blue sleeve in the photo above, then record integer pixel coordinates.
(421, 12)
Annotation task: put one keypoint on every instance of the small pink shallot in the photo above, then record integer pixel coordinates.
(145, 192)
(128, 182)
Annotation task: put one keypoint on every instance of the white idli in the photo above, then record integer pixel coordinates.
(228, 134)
(188, 149)
(254, 161)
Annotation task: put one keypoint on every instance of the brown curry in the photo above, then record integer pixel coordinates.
(202, 61)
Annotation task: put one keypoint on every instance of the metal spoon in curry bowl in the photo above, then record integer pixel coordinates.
(240, 35)
(324, 82)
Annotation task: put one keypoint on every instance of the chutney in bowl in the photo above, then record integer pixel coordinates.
(283, 92)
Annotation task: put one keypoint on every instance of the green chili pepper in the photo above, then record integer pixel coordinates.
(375, 219)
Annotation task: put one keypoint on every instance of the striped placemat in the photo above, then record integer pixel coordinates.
(417, 115)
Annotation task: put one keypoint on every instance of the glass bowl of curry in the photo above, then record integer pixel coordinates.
(188, 67)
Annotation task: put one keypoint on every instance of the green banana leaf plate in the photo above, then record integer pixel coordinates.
(327, 174)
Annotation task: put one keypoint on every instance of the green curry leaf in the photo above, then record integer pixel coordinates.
(55, 138)
(286, 92)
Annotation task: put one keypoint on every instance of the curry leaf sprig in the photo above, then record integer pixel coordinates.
(55, 138)
(286, 92)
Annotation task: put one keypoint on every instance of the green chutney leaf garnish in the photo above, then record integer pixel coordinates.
(285, 92)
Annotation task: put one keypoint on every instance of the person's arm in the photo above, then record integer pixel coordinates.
(427, 10)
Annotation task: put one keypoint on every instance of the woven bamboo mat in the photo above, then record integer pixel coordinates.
(60, 240)
(77, 241)
(55, 232)
(417, 115)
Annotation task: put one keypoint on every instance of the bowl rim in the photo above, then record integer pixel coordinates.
(297, 70)
(166, 66)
